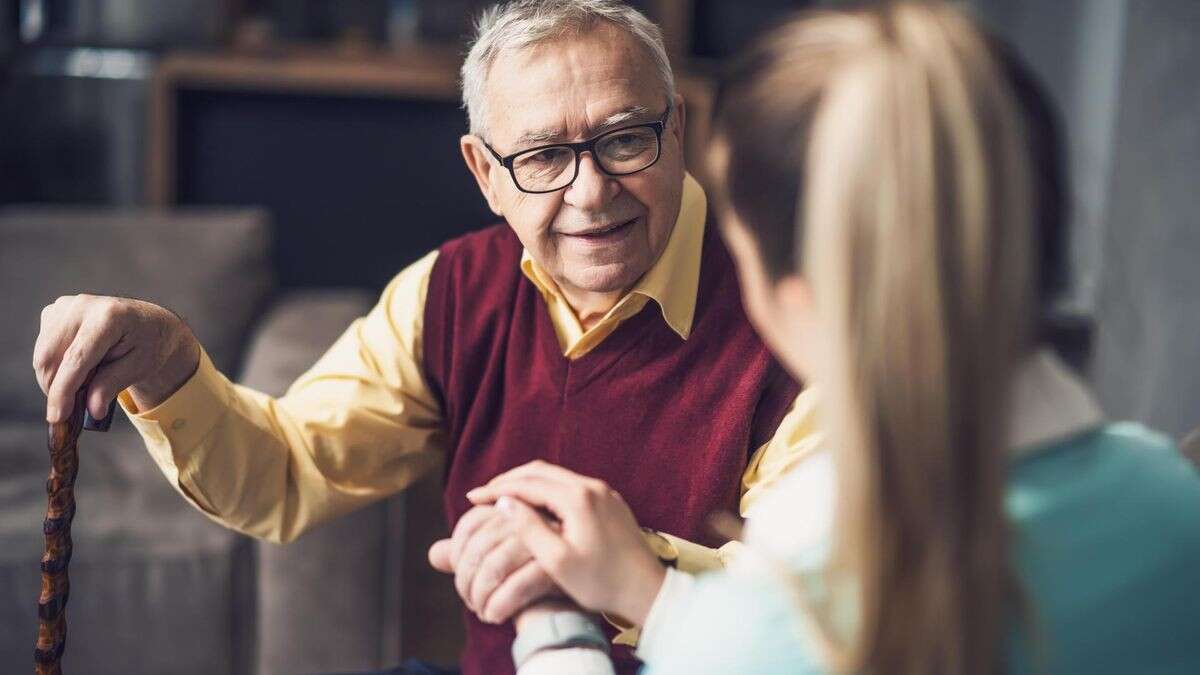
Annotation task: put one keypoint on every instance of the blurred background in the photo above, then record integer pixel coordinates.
(265, 166)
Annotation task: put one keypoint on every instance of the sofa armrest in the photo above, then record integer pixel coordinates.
(328, 601)
(296, 331)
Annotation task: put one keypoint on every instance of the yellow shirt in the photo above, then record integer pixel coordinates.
(362, 424)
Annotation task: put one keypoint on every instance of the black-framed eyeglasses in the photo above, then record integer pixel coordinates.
(620, 152)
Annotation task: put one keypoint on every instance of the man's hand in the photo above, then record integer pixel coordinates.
(494, 573)
(591, 545)
(128, 343)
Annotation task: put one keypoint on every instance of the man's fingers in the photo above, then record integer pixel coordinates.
(527, 584)
(109, 380)
(547, 546)
(90, 345)
(465, 528)
(482, 541)
(508, 556)
(439, 556)
(53, 339)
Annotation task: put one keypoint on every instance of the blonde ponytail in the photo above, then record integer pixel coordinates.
(916, 233)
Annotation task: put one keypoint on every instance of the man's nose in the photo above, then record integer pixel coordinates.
(593, 189)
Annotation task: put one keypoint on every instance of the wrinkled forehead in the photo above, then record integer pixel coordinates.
(567, 88)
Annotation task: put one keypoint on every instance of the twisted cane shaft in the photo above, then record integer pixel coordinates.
(60, 510)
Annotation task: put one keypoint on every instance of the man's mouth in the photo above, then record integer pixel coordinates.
(606, 232)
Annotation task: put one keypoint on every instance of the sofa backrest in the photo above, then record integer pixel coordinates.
(211, 266)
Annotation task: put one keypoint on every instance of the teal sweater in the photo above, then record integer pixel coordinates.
(1106, 543)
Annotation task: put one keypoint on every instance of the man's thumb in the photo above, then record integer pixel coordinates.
(439, 556)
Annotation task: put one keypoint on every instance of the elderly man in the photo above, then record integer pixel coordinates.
(598, 328)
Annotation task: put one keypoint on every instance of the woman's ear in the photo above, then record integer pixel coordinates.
(794, 294)
(479, 163)
(798, 324)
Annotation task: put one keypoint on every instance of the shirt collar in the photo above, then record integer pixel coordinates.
(673, 280)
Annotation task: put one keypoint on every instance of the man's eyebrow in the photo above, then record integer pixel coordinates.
(619, 118)
(540, 136)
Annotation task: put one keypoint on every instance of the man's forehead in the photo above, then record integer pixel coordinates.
(595, 123)
(570, 87)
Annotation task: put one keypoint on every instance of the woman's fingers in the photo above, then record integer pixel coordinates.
(526, 488)
(565, 501)
(524, 586)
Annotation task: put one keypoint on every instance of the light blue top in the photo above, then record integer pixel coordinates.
(1106, 543)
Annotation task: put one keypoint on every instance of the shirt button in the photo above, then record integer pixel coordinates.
(178, 424)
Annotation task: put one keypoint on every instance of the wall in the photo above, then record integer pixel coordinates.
(1147, 363)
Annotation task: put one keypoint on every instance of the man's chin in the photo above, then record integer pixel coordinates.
(616, 277)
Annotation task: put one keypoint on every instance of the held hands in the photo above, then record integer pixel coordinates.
(127, 343)
(494, 573)
(595, 551)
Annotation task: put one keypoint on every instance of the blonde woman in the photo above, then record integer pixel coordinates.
(891, 197)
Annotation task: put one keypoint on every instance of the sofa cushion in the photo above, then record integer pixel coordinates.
(211, 266)
(164, 594)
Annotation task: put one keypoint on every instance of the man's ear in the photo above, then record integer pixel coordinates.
(479, 163)
(679, 119)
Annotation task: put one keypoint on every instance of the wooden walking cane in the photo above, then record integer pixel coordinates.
(60, 509)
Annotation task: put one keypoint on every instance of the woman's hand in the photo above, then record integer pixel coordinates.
(599, 557)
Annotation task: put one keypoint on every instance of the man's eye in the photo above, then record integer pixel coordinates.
(626, 146)
(544, 157)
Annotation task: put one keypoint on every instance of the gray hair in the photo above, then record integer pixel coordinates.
(524, 23)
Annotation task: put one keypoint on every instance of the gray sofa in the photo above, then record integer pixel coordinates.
(155, 586)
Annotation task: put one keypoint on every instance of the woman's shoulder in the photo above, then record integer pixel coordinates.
(1120, 462)
(1126, 482)
(1104, 530)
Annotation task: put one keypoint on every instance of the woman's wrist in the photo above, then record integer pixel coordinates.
(638, 593)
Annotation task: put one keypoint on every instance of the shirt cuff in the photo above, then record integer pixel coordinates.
(681, 554)
(671, 598)
(693, 558)
(576, 660)
(173, 429)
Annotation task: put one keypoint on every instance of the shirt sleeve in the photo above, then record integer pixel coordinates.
(360, 425)
(673, 596)
(796, 439)
(727, 623)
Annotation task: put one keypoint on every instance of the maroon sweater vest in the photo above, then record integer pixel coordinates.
(669, 423)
